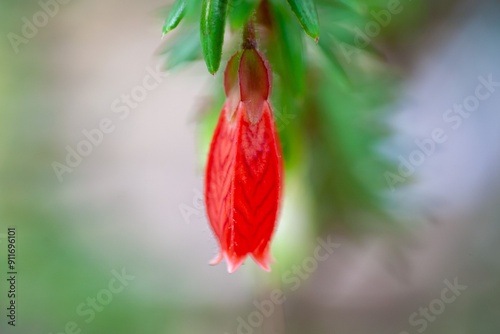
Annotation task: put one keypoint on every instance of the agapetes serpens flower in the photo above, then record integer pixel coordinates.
(244, 171)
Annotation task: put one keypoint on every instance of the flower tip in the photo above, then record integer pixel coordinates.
(265, 267)
(263, 260)
(232, 266)
(216, 260)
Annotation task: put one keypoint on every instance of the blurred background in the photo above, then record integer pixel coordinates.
(115, 239)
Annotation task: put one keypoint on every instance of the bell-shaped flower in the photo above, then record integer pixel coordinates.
(243, 182)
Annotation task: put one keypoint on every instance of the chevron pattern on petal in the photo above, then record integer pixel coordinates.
(243, 186)
(219, 178)
(257, 188)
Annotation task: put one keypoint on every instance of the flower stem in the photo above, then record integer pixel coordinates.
(249, 41)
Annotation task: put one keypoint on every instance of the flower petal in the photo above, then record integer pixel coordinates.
(219, 178)
(258, 181)
(255, 84)
(243, 186)
(231, 84)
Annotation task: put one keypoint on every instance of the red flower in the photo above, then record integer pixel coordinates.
(244, 172)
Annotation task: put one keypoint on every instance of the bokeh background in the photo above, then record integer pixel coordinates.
(134, 203)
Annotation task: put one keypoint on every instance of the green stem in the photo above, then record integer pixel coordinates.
(249, 41)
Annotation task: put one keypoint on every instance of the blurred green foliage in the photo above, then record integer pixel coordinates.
(330, 98)
(330, 112)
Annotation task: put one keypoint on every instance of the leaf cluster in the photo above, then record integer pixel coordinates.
(330, 92)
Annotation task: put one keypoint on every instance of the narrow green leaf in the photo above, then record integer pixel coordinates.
(213, 21)
(326, 45)
(184, 48)
(288, 48)
(175, 16)
(193, 11)
(305, 10)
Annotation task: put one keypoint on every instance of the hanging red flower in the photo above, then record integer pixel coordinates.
(244, 171)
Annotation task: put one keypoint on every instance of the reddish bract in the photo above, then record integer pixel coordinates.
(244, 171)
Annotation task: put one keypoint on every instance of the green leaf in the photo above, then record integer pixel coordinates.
(288, 50)
(213, 21)
(305, 10)
(175, 16)
(185, 47)
(326, 45)
(193, 11)
(240, 12)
